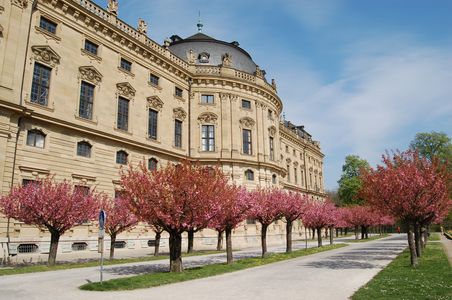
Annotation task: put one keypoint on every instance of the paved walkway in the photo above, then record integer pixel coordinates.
(333, 274)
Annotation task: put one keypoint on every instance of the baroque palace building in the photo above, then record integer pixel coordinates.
(82, 94)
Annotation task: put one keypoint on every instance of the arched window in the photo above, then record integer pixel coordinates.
(36, 138)
(152, 164)
(84, 149)
(121, 157)
(274, 178)
(249, 175)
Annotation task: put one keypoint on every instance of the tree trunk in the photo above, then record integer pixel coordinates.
(220, 240)
(319, 237)
(412, 246)
(264, 239)
(362, 232)
(175, 245)
(424, 233)
(337, 232)
(54, 239)
(326, 232)
(346, 231)
(112, 245)
(158, 235)
(356, 232)
(417, 239)
(313, 233)
(289, 237)
(366, 231)
(331, 236)
(229, 257)
(191, 236)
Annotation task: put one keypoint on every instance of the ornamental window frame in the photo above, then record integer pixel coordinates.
(117, 158)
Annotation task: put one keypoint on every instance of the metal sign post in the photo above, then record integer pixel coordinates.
(102, 219)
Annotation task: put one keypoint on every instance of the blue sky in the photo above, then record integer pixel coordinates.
(362, 76)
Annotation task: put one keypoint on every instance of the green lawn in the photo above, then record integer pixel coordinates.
(431, 279)
(156, 279)
(63, 266)
(434, 236)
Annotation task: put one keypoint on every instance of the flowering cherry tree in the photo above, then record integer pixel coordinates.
(292, 207)
(266, 209)
(234, 208)
(178, 198)
(410, 188)
(119, 219)
(55, 206)
(318, 215)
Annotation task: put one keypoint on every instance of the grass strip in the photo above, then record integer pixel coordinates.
(434, 236)
(156, 279)
(94, 263)
(372, 238)
(431, 279)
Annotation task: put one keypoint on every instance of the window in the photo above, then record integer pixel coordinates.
(84, 149)
(35, 138)
(48, 25)
(207, 99)
(302, 177)
(249, 175)
(154, 80)
(152, 131)
(121, 157)
(40, 85)
(178, 133)
(119, 244)
(272, 149)
(295, 175)
(27, 248)
(123, 114)
(26, 182)
(91, 47)
(310, 179)
(86, 101)
(152, 164)
(84, 190)
(79, 246)
(126, 65)
(247, 145)
(119, 194)
(178, 92)
(250, 221)
(288, 173)
(294, 152)
(246, 104)
(274, 178)
(208, 138)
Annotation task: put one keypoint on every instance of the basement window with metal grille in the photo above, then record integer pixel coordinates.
(79, 246)
(27, 248)
(120, 244)
(151, 243)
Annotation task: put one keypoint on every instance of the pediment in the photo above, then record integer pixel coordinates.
(247, 122)
(91, 74)
(155, 102)
(208, 117)
(125, 89)
(46, 55)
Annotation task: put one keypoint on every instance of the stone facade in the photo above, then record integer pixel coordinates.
(81, 48)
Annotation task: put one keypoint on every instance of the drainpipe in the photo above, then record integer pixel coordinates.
(190, 82)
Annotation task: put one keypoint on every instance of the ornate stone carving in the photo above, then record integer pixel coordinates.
(142, 26)
(272, 131)
(191, 57)
(288, 160)
(207, 117)
(259, 72)
(91, 74)
(295, 164)
(46, 55)
(125, 89)
(226, 60)
(112, 7)
(20, 3)
(179, 113)
(274, 84)
(204, 57)
(224, 96)
(247, 122)
(155, 103)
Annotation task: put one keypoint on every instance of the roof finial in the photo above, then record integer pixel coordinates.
(200, 25)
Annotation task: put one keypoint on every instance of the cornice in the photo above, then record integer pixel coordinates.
(286, 134)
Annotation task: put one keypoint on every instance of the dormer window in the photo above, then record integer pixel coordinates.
(203, 57)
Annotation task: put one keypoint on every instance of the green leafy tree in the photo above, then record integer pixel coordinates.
(350, 182)
(433, 144)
